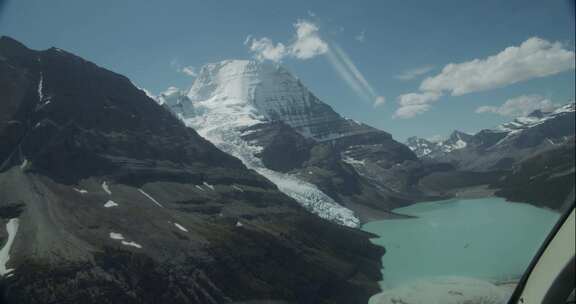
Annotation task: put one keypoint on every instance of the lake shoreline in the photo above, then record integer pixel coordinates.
(458, 237)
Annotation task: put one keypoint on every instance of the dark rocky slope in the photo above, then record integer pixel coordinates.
(544, 179)
(117, 201)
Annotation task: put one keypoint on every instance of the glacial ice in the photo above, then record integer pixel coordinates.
(229, 96)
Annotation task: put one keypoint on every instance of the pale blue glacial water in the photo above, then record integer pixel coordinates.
(487, 239)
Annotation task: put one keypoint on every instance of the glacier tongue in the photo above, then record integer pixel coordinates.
(311, 198)
(221, 125)
(232, 95)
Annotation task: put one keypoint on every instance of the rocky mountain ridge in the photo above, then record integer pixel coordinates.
(501, 147)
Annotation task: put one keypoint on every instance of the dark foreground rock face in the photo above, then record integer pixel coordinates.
(117, 201)
(545, 179)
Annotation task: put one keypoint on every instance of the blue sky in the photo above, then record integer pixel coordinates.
(148, 41)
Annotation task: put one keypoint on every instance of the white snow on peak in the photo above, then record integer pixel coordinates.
(237, 188)
(110, 204)
(199, 188)
(11, 229)
(239, 224)
(352, 161)
(525, 122)
(151, 198)
(180, 227)
(106, 188)
(256, 92)
(460, 144)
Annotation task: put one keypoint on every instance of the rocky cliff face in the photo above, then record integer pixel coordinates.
(545, 178)
(338, 168)
(106, 197)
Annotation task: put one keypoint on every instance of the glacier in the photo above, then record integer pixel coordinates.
(229, 96)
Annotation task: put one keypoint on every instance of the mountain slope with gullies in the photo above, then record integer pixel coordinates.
(106, 197)
(338, 168)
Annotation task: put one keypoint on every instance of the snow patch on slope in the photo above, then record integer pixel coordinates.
(11, 229)
(81, 191)
(110, 204)
(106, 188)
(151, 198)
(120, 237)
(180, 227)
(40, 87)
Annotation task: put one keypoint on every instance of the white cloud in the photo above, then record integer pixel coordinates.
(410, 111)
(379, 101)
(412, 104)
(361, 37)
(519, 106)
(534, 58)
(348, 71)
(417, 98)
(415, 72)
(307, 44)
(189, 70)
(265, 49)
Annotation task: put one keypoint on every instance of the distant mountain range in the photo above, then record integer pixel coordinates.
(532, 154)
(499, 148)
(107, 197)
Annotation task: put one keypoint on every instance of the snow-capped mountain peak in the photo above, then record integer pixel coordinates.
(535, 118)
(263, 91)
(229, 96)
(432, 148)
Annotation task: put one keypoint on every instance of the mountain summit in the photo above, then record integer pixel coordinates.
(262, 91)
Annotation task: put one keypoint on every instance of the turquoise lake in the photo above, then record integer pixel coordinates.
(487, 239)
